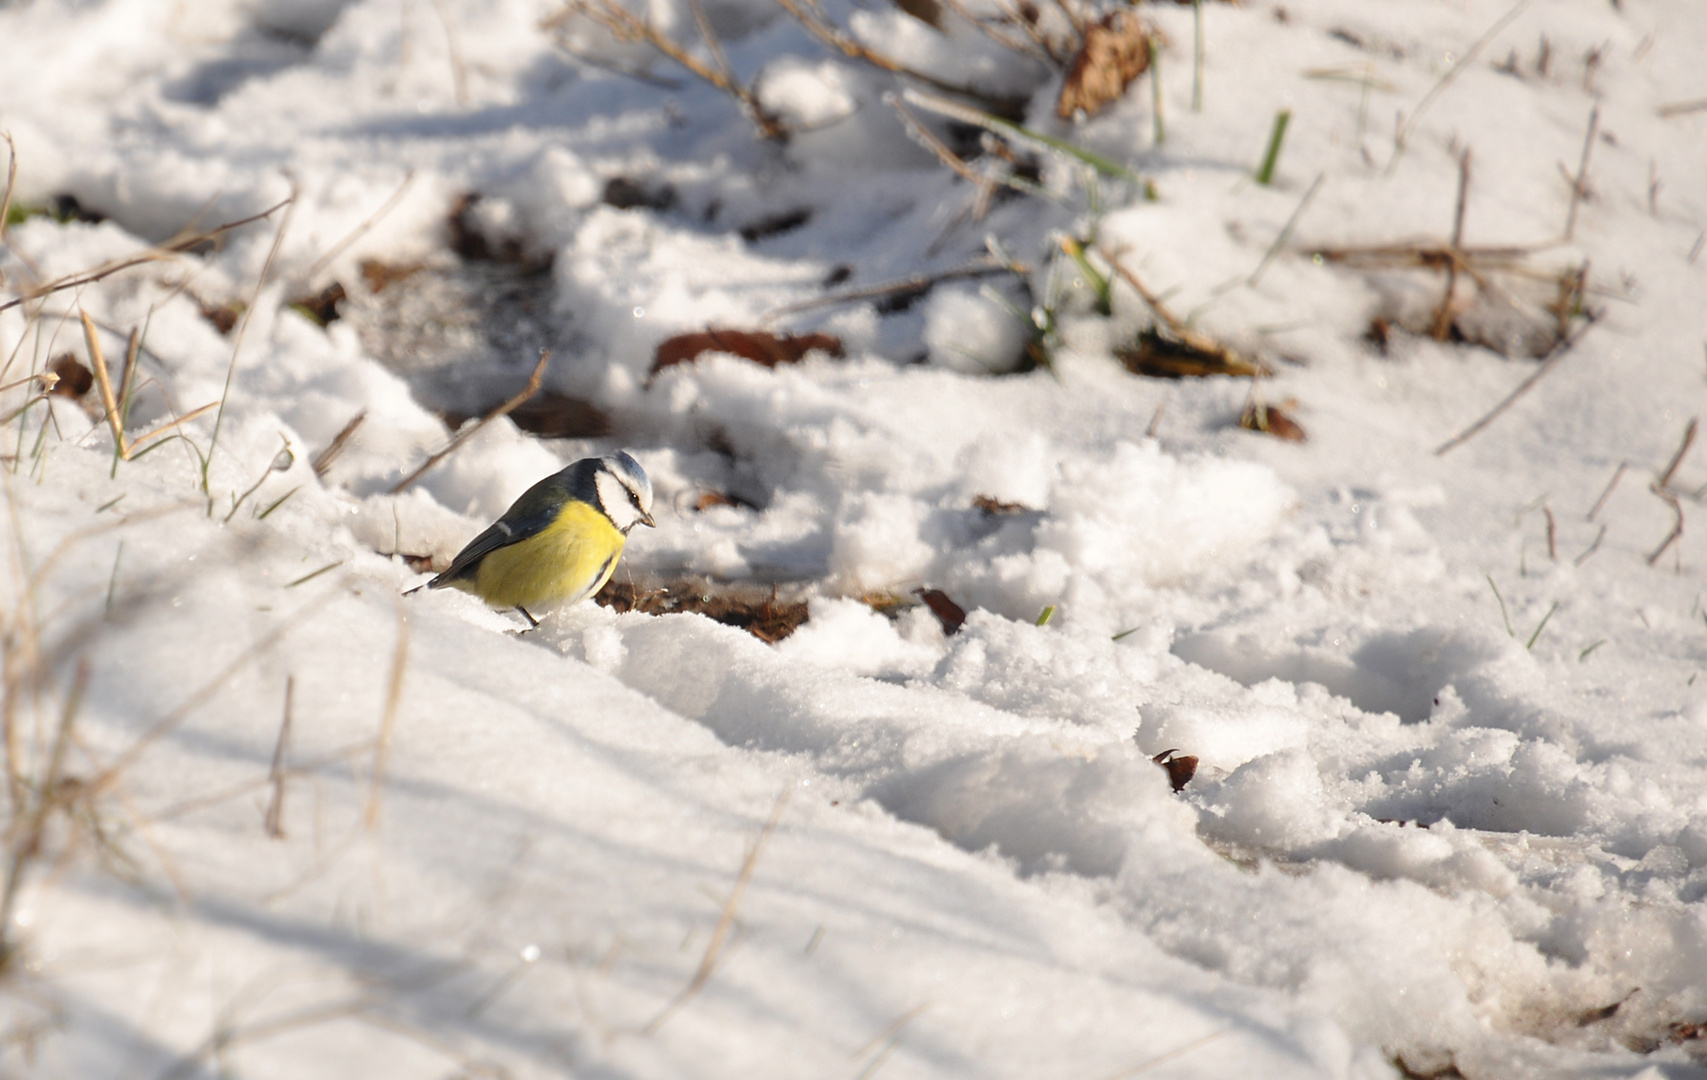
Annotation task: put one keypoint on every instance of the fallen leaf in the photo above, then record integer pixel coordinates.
(950, 614)
(759, 346)
(74, 380)
(1116, 50)
(994, 506)
(1188, 356)
(378, 275)
(322, 308)
(1269, 420)
(1180, 769)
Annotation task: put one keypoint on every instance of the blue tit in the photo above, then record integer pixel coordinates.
(560, 541)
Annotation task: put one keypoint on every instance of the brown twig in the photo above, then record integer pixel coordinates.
(469, 432)
(1681, 108)
(1558, 353)
(1579, 185)
(1600, 503)
(1665, 478)
(838, 39)
(725, 921)
(154, 254)
(1552, 534)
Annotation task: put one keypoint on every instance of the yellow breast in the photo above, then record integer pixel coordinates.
(568, 560)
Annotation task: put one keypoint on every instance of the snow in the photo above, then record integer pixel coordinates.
(1449, 811)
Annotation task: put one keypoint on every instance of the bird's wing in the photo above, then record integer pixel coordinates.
(530, 515)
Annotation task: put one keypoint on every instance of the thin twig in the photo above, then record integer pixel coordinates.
(153, 254)
(1600, 503)
(1665, 478)
(1677, 527)
(1470, 56)
(1443, 316)
(1559, 352)
(1552, 534)
(469, 432)
(276, 775)
(725, 921)
(1592, 548)
(361, 230)
(1580, 185)
(458, 69)
(916, 283)
(237, 343)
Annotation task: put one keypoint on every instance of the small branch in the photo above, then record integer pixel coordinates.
(1580, 185)
(1560, 351)
(470, 431)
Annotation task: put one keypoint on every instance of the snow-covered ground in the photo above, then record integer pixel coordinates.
(266, 817)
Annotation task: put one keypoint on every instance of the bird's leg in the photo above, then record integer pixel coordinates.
(533, 623)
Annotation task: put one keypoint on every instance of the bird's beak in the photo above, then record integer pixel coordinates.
(646, 520)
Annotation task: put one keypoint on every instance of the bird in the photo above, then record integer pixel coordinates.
(559, 542)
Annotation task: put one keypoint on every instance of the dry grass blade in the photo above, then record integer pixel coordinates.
(1145, 1066)
(1682, 108)
(276, 774)
(11, 183)
(1470, 56)
(323, 460)
(166, 724)
(627, 26)
(103, 378)
(49, 796)
(361, 230)
(467, 433)
(1579, 185)
(176, 246)
(1689, 432)
(725, 921)
(388, 721)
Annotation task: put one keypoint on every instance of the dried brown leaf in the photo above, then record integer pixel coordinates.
(74, 379)
(1116, 50)
(1181, 767)
(759, 346)
(950, 614)
(1270, 420)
